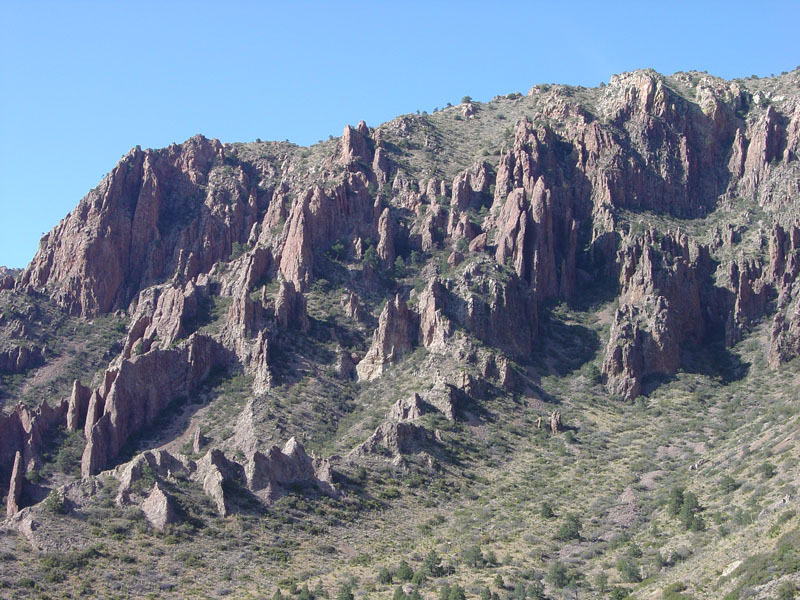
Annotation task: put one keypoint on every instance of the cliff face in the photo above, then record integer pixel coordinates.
(212, 251)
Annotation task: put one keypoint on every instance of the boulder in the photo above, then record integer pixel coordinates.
(159, 508)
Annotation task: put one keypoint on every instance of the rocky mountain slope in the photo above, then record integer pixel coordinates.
(543, 346)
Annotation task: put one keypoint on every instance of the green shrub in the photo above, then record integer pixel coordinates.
(384, 576)
(54, 503)
(404, 571)
(570, 529)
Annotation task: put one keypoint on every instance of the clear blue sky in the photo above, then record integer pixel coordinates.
(82, 82)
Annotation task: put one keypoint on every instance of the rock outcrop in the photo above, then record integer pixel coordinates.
(661, 281)
(142, 387)
(267, 475)
(23, 431)
(159, 508)
(290, 308)
(158, 213)
(408, 409)
(78, 406)
(393, 338)
(15, 486)
(395, 438)
(20, 358)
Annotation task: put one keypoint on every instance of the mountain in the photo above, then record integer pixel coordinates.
(543, 346)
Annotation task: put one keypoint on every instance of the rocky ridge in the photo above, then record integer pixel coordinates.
(218, 259)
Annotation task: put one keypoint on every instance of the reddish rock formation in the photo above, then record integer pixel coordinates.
(290, 308)
(141, 389)
(555, 422)
(198, 441)
(15, 486)
(78, 406)
(352, 307)
(159, 508)
(408, 409)
(267, 475)
(386, 239)
(392, 339)
(132, 229)
(434, 327)
(23, 430)
(212, 471)
(20, 358)
(397, 438)
(318, 218)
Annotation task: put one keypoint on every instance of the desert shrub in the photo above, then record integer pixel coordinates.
(629, 570)
(404, 571)
(54, 503)
(570, 529)
(384, 576)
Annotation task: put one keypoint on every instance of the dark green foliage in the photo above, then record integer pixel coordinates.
(686, 507)
(601, 581)
(675, 501)
(570, 529)
(558, 575)
(444, 591)
(399, 267)
(498, 582)
(536, 591)
(384, 576)
(344, 593)
(305, 593)
(457, 593)
(546, 511)
(767, 470)
(674, 592)
(629, 570)
(728, 484)
(337, 251)
(399, 594)
(371, 258)
(473, 557)
(432, 565)
(520, 591)
(787, 590)
(404, 571)
(54, 503)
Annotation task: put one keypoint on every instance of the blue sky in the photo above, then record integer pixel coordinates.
(82, 82)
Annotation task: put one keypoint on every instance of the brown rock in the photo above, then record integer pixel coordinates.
(212, 470)
(391, 340)
(344, 367)
(408, 409)
(198, 441)
(141, 389)
(434, 327)
(290, 308)
(352, 307)
(15, 486)
(78, 406)
(159, 508)
(268, 475)
(478, 244)
(17, 359)
(355, 145)
(555, 423)
(398, 438)
(386, 239)
(455, 258)
(125, 233)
